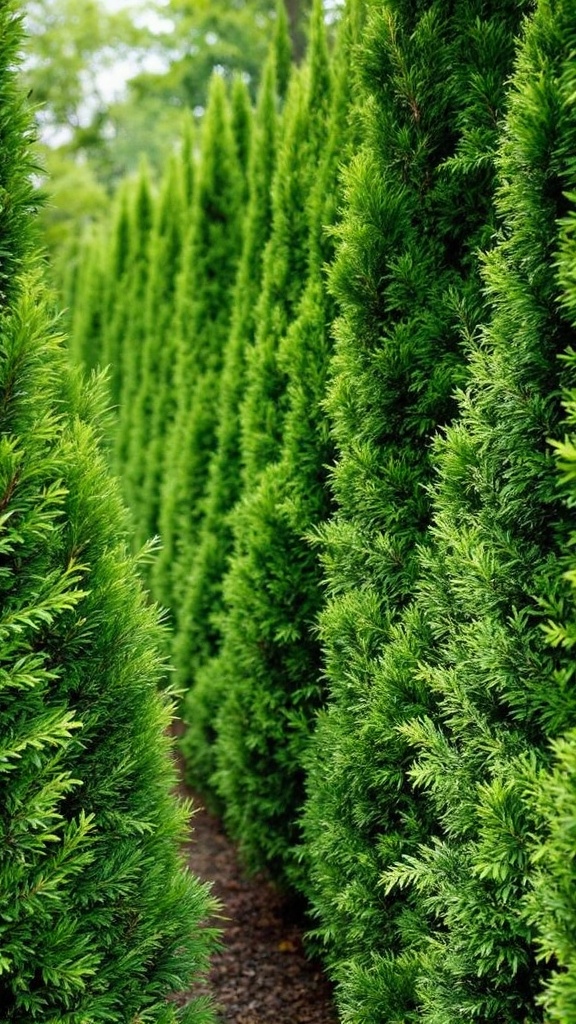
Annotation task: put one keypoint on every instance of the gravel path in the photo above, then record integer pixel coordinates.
(261, 976)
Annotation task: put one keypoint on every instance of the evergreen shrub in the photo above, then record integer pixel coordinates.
(273, 590)
(201, 324)
(199, 635)
(417, 206)
(99, 920)
(499, 533)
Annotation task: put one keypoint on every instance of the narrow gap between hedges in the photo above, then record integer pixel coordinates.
(262, 975)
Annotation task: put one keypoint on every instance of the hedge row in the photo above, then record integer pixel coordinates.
(367, 546)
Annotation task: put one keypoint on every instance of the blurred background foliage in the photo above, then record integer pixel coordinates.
(112, 80)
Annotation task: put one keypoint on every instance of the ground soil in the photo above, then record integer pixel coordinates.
(262, 975)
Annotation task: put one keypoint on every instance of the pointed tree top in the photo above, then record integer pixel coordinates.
(282, 46)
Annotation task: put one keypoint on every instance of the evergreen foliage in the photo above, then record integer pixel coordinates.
(282, 49)
(127, 332)
(273, 591)
(145, 416)
(201, 324)
(100, 921)
(499, 530)
(241, 109)
(283, 279)
(16, 191)
(199, 637)
(551, 905)
(86, 293)
(111, 316)
(286, 256)
(279, 427)
(417, 207)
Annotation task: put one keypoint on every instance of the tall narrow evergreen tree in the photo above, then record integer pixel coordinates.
(200, 631)
(160, 316)
(16, 191)
(283, 278)
(285, 260)
(112, 315)
(550, 904)
(100, 922)
(128, 330)
(282, 49)
(88, 303)
(418, 206)
(202, 322)
(499, 530)
(264, 721)
(241, 109)
(104, 924)
(140, 417)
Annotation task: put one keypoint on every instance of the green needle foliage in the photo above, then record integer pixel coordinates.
(126, 256)
(202, 323)
(499, 530)
(241, 109)
(265, 718)
(283, 280)
(87, 301)
(145, 417)
(199, 638)
(551, 905)
(286, 256)
(100, 280)
(16, 191)
(128, 330)
(100, 922)
(417, 207)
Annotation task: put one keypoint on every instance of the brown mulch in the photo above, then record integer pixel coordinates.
(261, 976)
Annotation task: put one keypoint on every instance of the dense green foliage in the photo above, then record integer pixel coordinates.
(201, 325)
(339, 332)
(144, 422)
(270, 657)
(551, 903)
(100, 921)
(198, 641)
(418, 205)
(499, 533)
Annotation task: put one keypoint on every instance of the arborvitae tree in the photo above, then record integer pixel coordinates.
(16, 190)
(202, 322)
(141, 417)
(108, 325)
(274, 588)
(100, 922)
(286, 257)
(282, 50)
(551, 904)
(199, 637)
(283, 278)
(125, 337)
(282, 45)
(418, 206)
(499, 528)
(241, 109)
(164, 278)
(88, 302)
(103, 922)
